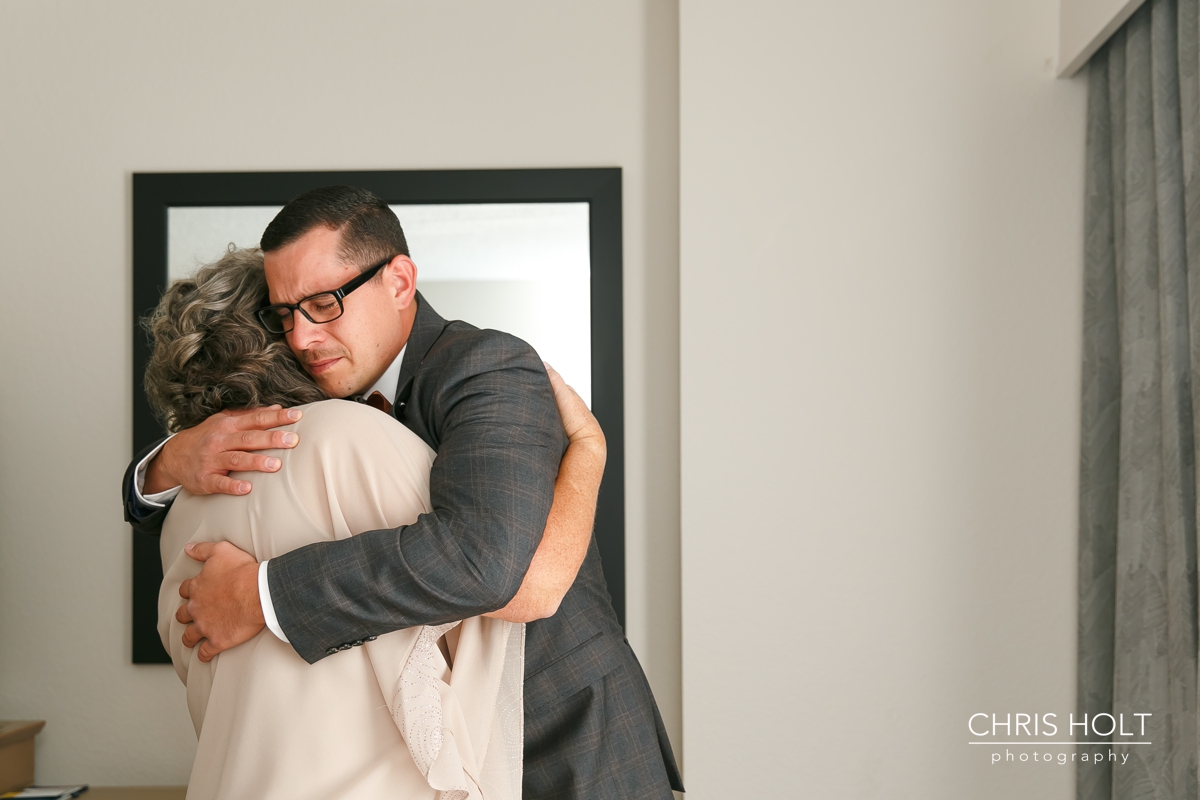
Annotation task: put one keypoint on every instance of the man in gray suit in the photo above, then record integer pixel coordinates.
(482, 401)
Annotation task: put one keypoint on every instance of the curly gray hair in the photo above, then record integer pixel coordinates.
(209, 351)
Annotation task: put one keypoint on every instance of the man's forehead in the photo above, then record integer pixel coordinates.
(292, 279)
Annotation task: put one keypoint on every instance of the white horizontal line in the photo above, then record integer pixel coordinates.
(1110, 744)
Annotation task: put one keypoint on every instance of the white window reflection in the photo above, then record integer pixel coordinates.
(523, 268)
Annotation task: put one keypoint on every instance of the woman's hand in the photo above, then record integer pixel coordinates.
(578, 421)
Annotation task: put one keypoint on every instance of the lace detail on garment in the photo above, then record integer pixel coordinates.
(463, 726)
(417, 712)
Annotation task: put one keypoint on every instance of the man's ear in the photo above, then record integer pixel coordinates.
(400, 279)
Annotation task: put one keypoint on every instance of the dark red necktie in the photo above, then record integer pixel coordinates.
(377, 400)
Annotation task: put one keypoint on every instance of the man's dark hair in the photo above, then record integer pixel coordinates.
(370, 230)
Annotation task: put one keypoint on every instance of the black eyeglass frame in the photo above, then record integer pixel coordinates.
(265, 313)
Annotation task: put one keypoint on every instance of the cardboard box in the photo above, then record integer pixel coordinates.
(16, 753)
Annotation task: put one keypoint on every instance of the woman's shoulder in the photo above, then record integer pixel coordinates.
(325, 411)
(351, 425)
(355, 453)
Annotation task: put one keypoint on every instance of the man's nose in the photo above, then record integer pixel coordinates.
(304, 334)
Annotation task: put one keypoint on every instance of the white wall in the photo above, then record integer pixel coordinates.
(93, 92)
(881, 258)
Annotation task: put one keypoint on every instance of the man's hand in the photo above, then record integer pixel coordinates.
(200, 459)
(223, 608)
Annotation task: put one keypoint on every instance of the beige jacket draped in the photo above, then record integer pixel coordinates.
(388, 719)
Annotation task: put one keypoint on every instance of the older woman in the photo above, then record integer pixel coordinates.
(430, 712)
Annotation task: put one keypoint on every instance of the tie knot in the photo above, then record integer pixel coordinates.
(377, 400)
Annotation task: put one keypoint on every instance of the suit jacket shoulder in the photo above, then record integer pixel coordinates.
(450, 363)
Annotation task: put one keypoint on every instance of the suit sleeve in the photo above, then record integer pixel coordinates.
(143, 518)
(500, 441)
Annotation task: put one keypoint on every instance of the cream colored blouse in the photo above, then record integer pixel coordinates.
(389, 719)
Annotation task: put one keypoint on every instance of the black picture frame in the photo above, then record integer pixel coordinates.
(155, 193)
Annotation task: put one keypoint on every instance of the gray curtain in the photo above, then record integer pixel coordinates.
(1141, 349)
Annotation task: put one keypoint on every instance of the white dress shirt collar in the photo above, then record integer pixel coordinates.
(389, 381)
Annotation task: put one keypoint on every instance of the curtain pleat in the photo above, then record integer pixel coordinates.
(1137, 558)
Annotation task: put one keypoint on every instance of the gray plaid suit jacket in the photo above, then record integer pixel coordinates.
(482, 401)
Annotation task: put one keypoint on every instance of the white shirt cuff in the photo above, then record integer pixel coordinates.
(268, 608)
(160, 499)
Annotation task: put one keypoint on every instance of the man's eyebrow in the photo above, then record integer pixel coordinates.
(286, 300)
(306, 290)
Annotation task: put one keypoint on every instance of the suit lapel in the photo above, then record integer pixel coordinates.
(427, 327)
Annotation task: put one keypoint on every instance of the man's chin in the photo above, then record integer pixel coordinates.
(332, 386)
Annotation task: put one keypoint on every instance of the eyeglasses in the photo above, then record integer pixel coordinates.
(317, 308)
